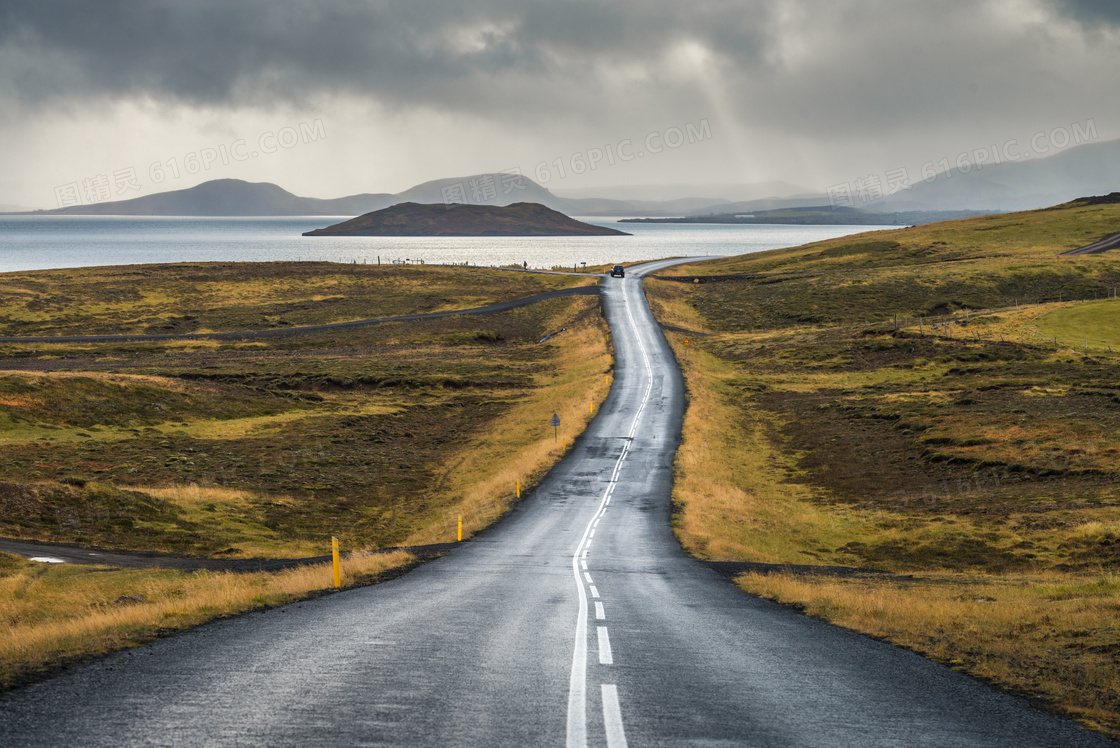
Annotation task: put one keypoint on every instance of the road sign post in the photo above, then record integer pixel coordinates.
(555, 426)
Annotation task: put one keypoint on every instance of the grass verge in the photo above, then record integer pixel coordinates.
(977, 461)
(56, 613)
(381, 436)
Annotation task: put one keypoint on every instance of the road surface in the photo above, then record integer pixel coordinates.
(1112, 241)
(575, 621)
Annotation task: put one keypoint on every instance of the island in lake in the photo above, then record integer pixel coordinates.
(416, 219)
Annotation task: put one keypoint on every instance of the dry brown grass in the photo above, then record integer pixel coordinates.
(58, 613)
(519, 445)
(730, 482)
(1054, 636)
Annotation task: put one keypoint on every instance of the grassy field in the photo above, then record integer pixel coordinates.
(381, 436)
(230, 296)
(935, 271)
(977, 461)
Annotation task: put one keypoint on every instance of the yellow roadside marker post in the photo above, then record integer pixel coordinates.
(337, 567)
(460, 528)
(519, 489)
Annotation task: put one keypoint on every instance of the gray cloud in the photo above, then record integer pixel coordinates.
(413, 52)
(585, 60)
(797, 89)
(1090, 13)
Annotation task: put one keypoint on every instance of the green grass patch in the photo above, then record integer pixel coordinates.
(1092, 325)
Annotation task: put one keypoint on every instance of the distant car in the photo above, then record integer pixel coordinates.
(618, 272)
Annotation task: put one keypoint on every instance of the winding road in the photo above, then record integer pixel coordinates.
(575, 621)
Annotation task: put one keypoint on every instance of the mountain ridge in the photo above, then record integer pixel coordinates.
(1088, 168)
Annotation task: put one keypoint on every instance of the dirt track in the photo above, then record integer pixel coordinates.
(309, 329)
(74, 554)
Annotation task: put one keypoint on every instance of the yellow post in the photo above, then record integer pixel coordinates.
(519, 489)
(460, 528)
(590, 409)
(337, 568)
(563, 444)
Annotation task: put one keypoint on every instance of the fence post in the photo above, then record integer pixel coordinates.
(334, 560)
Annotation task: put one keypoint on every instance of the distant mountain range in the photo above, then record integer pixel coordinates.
(1089, 169)
(1092, 168)
(234, 197)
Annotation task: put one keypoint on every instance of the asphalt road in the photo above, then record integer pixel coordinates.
(1112, 241)
(576, 620)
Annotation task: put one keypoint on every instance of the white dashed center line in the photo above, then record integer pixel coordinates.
(577, 685)
(612, 717)
(605, 657)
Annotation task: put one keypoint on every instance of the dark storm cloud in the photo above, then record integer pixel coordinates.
(843, 73)
(1090, 13)
(413, 52)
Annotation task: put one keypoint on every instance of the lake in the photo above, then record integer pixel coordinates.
(38, 242)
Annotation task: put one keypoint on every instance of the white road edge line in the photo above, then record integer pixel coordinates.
(612, 717)
(577, 682)
(605, 655)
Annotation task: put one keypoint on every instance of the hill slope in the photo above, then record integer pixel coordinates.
(415, 219)
(1019, 185)
(230, 197)
(939, 402)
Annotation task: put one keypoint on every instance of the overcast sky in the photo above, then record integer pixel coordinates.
(345, 96)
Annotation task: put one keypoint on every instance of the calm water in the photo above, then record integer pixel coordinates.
(36, 242)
